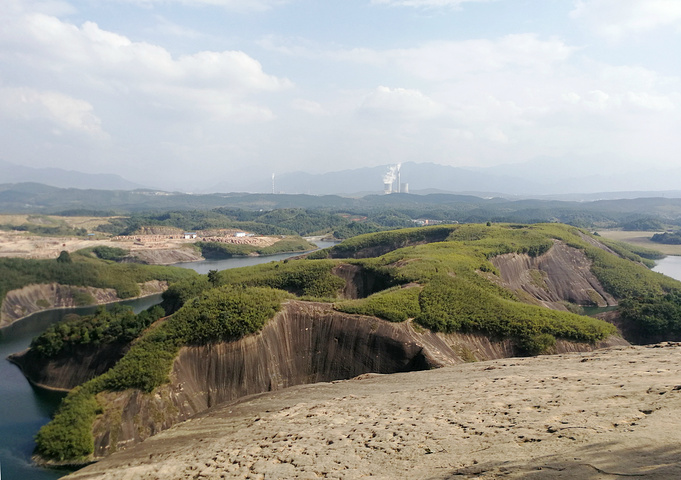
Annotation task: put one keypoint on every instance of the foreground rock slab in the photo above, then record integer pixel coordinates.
(600, 415)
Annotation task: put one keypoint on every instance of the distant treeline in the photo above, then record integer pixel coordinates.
(349, 223)
(669, 238)
(307, 214)
(287, 221)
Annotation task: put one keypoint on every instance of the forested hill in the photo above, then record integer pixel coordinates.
(634, 214)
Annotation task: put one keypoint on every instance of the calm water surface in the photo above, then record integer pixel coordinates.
(23, 409)
(670, 266)
(205, 265)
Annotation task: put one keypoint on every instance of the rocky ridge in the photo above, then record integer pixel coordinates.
(597, 415)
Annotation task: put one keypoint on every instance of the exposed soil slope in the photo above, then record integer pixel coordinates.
(560, 275)
(598, 415)
(305, 343)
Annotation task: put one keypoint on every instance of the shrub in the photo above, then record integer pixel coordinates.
(313, 278)
(536, 344)
(69, 435)
(395, 305)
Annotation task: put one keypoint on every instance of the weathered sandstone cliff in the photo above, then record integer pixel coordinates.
(305, 343)
(600, 415)
(68, 369)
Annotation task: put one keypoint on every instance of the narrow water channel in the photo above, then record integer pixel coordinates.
(23, 409)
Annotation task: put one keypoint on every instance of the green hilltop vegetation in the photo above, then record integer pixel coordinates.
(83, 269)
(441, 277)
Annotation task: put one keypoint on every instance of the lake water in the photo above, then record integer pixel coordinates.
(670, 266)
(25, 409)
(205, 266)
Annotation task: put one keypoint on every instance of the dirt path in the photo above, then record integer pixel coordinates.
(607, 414)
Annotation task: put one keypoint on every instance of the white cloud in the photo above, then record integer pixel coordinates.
(443, 60)
(308, 106)
(425, 3)
(401, 103)
(62, 111)
(105, 62)
(238, 5)
(447, 60)
(615, 19)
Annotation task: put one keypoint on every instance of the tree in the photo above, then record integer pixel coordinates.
(213, 277)
(64, 257)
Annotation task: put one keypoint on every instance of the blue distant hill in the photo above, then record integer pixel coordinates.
(57, 177)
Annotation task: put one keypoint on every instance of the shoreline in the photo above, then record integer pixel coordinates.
(50, 309)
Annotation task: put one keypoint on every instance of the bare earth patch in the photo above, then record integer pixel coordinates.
(600, 415)
(642, 239)
(155, 249)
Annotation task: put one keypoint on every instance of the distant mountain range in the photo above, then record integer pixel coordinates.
(566, 181)
(560, 179)
(57, 177)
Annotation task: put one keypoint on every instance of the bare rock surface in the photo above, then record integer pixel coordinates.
(606, 414)
(563, 274)
(167, 256)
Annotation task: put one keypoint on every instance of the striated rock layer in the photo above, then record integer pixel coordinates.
(305, 343)
(563, 274)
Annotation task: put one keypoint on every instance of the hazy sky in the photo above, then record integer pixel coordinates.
(185, 93)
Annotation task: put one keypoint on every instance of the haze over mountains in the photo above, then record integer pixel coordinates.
(566, 179)
(58, 177)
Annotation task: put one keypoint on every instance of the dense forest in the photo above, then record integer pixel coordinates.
(669, 238)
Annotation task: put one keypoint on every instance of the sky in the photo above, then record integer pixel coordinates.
(185, 94)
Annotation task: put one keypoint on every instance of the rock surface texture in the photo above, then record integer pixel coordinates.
(605, 414)
(561, 275)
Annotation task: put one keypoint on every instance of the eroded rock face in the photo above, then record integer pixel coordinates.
(35, 298)
(602, 415)
(71, 369)
(563, 274)
(305, 343)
